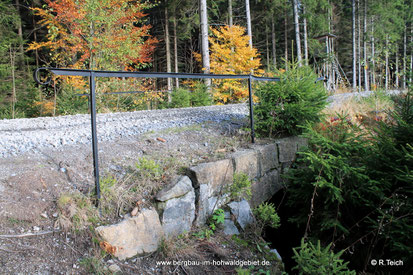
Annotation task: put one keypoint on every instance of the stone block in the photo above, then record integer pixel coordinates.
(179, 186)
(246, 162)
(265, 188)
(178, 214)
(267, 157)
(242, 212)
(133, 236)
(215, 174)
(202, 206)
(287, 149)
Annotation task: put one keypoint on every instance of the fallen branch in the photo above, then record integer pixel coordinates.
(29, 234)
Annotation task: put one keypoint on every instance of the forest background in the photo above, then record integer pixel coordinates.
(371, 47)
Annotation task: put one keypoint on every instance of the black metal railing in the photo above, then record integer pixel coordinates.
(92, 74)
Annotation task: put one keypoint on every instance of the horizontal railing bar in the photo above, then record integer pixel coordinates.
(76, 72)
(131, 92)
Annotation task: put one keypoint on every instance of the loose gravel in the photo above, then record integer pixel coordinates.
(18, 136)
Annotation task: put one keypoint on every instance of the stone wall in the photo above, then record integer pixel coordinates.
(189, 200)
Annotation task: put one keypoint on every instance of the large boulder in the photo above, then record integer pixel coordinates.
(133, 236)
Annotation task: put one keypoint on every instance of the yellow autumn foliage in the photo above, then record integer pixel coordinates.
(232, 54)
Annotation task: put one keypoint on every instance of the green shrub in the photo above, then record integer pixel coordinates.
(240, 187)
(266, 216)
(315, 260)
(148, 169)
(180, 98)
(356, 189)
(292, 101)
(200, 96)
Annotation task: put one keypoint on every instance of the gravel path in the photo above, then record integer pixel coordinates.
(30, 135)
(18, 136)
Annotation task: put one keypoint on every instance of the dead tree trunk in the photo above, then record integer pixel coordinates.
(366, 72)
(404, 56)
(305, 39)
(176, 51)
(249, 31)
(353, 5)
(274, 48)
(230, 19)
(204, 40)
(286, 37)
(297, 32)
(168, 48)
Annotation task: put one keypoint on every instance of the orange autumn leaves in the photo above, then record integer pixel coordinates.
(231, 54)
(90, 34)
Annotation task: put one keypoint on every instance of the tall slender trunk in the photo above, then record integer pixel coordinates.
(13, 77)
(274, 49)
(305, 39)
(286, 37)
(397, 67)
(366, 67)
(353, 5)
(248, 12)
(20, 34)
(267, 48)
(359, 45)
(404, 56)
(230, 13)
(204, 40)
(373, 60)
(175, 51)
(168, 49)
(411, 53)
(386, 83)
(297, 32)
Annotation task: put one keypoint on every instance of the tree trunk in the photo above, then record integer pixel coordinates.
(13, 77)
(366, 73)
(230, 13)
(286, 37)
(386, 83)
(204, 40)
(373, 71)
(176, 51)
(168, 49)
(20, 34)
(411, 53)
(305, 39)
(353, 5)
(404, 56)
(297, 32)
(397, 67)
(274, 49)
(359, 45)
(249, 31)
(267, 48)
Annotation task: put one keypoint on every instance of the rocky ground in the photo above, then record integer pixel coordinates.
(34, 173)
(43, 158)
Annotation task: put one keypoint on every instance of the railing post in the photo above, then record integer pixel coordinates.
(251, 110)
(92, 98)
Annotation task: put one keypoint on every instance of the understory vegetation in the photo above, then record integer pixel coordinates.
(355, 188)
(292, 101)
